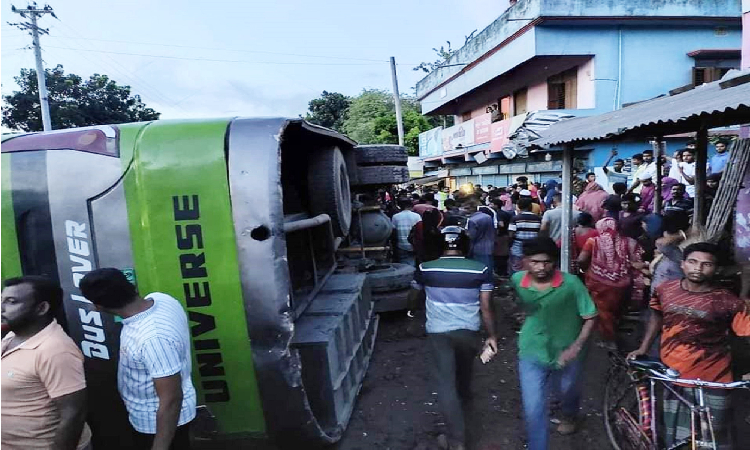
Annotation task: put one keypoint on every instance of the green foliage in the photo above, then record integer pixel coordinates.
(372, 120)
(329, 110)
(444, 55)
(73, 102)
(368, 117)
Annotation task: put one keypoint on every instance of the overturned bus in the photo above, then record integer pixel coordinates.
(239, 219)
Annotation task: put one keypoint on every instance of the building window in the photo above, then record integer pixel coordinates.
(708, 74)
(562, 90)
(504, 107)
(466, 116)
(519, 101)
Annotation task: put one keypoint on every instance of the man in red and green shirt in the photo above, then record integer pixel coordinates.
(695, 319)
(560, 316)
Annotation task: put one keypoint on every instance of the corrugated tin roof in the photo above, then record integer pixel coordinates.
(706, 100)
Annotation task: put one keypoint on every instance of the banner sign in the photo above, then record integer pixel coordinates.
(483, 129)
(431, 143)
(458, 135)
(499, 137)
(416, 167)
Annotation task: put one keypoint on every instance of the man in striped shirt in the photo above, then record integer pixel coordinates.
(153, 374)
(524, 226)
(458, 291)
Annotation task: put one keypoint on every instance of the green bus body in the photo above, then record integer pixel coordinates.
(216, 214)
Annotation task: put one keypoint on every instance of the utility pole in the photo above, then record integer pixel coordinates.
(33, 13)
(397, 100)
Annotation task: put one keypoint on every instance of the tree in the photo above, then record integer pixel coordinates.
(73, 102)
(444, 55)
(372, 120)
(329, 110)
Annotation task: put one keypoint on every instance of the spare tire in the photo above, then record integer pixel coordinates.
(380, 154)
(328, 185)
(390, 277)
(382, 174)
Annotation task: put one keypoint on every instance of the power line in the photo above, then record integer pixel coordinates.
(345, 58)
(216, 60)
(134, 79)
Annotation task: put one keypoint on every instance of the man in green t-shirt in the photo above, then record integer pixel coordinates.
(559, 319)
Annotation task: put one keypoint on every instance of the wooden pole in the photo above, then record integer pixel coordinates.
(701, 157)
(567, 205)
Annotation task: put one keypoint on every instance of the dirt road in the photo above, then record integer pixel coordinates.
(397, 410)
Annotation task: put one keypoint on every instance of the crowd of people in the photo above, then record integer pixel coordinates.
(625, 257)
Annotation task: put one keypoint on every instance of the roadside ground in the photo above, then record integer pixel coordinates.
(398, 410)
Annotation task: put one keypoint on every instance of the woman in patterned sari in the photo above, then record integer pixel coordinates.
(612, 263)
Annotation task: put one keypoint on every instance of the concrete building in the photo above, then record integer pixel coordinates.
(580, 57)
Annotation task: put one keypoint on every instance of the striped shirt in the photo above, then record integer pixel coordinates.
(154, 344)
(526, 226)
(452, 285)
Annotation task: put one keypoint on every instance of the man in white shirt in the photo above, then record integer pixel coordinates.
(687, 171)
(646, 167)
(153, 374)
(638, 168)
(674, 168)
(403, 222)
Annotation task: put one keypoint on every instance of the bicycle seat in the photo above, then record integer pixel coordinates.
(648, 363)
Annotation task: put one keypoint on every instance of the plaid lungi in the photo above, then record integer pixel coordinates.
(677, 417)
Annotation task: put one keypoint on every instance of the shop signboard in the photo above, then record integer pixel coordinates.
(461, 172)
(461, 135)
(488, 170)
(512, 168)
(499, 131)
(431, 143)
(483, 129)
(544, 166)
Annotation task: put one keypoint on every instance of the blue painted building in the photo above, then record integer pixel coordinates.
(581, 57)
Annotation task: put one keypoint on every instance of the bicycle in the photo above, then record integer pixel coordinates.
(630, 401)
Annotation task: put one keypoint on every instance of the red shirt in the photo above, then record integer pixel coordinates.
(695, 331)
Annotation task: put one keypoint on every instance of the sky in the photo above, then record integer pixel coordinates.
(189, 59)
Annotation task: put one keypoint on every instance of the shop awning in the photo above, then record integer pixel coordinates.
(426, 180)
(721, 103)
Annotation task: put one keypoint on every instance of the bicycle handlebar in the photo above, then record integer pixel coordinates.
(664, 373)
(700, 383)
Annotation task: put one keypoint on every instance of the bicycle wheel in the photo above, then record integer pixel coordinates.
(623, 415)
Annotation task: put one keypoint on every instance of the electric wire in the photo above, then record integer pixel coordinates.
(345, 58)
(132, 78)
(216, 60)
